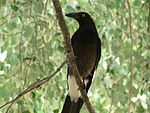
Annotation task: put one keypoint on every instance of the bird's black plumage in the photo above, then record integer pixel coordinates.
(87, 49)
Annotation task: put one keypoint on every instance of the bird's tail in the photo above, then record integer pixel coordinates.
(72, 107)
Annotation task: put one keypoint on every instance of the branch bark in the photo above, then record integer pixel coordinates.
(70, 54)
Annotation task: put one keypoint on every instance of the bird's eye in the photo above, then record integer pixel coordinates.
(83, 15)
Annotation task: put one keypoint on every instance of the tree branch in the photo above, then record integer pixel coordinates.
(70, 54)
(32, 87)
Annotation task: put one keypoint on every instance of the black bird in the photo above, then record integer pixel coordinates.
(87, 49)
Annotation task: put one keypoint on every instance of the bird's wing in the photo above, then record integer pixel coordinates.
(98, 52)
(90, 77)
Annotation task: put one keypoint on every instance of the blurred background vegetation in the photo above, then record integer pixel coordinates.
(31, 47)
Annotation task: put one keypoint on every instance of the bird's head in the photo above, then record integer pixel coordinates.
(81, 17)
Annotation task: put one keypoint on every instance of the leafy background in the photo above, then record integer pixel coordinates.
(31, 47)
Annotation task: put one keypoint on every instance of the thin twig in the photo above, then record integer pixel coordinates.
(32, 87)
(131, 57)
(70, 54)
(112, 100)
(148, 28)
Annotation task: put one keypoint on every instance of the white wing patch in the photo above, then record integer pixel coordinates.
(74, 91)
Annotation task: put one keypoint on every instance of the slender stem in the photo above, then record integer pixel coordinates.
(131, 57)
(148, 28)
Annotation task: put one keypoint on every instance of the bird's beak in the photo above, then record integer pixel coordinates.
(72, 15)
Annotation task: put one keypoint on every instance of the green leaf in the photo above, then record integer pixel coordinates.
(11, 25)
(140, 109)
(28, 32)
(26, 111)
(14, 7)
(20, 103)
(56, 111)
(33, 95)
(137, 2)
(2, 2)
(69, 9)
(38, 7)
(14, 40)
(57, 34)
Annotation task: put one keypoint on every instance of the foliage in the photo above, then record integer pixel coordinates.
(31, 47)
